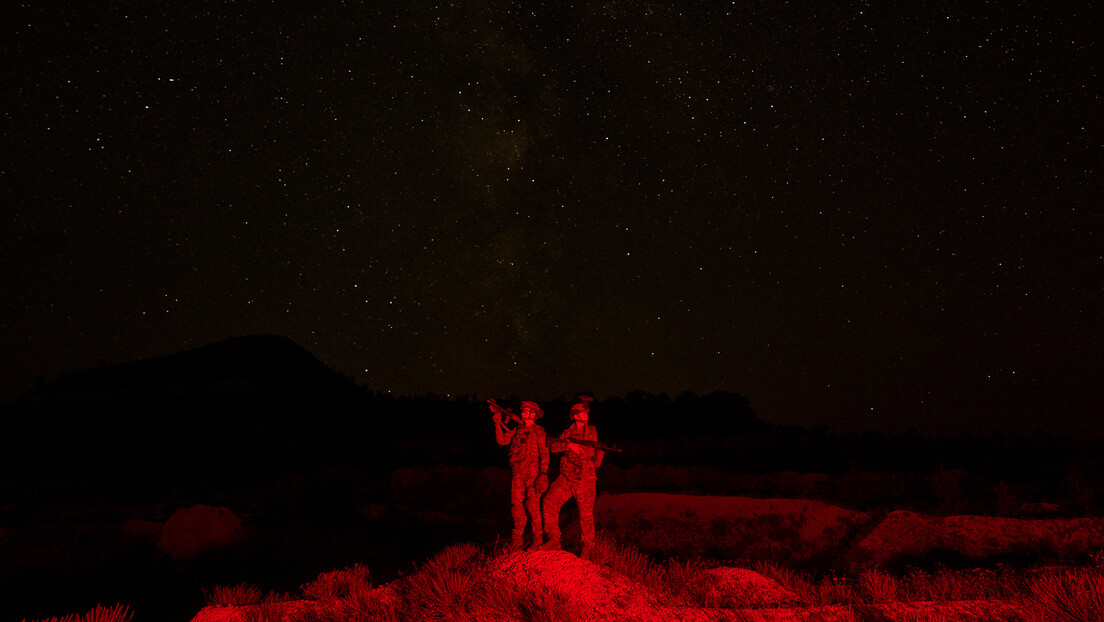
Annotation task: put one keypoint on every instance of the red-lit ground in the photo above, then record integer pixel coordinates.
(587, 592)
(794, 529)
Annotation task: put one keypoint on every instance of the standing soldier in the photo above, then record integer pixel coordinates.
(578, 475)
(529, 466)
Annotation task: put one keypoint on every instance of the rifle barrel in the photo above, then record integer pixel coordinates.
(594, 444)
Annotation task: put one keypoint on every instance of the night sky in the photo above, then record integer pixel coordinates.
(856, 214)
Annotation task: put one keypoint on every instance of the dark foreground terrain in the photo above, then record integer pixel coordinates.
(314, 473)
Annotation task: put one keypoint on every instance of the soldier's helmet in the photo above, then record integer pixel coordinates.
(537, 412)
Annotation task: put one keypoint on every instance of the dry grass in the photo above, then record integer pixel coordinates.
(544, 606)
(231, 596)
(116, 613)
(879, 587)
(338, 583)
(624, 559)
(1066, 595)
(686, 582)
(457, 583)
(798, 583)
(944, 585)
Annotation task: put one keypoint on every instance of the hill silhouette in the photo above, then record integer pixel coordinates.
(254, 364)
(248, 408)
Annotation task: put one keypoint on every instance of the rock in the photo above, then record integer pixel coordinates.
(194, 530)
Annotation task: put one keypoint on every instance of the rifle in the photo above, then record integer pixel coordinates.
(506, 413)
(593, 444)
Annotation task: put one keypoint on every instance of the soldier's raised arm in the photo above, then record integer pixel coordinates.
(502, 434)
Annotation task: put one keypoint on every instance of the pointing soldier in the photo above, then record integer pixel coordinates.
(529, 468)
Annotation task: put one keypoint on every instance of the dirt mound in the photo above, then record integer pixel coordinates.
(738, 587)
(598, 593)
(909, 534)
(587, 587)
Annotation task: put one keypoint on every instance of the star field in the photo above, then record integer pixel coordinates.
(854, 215)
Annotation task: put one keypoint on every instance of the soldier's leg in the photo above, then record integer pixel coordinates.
(584, 496)
(558, 494)
(533, 507)
(517, 510)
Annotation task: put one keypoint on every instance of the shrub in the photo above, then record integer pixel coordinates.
(456, 556)
(833, 590)
(370, 605)
(338, 583)
(241, 594)
(944, 584)
(546, 606)
(447, 584)
(879, 586)
(438, 592)
(623, 559)
(116, 613)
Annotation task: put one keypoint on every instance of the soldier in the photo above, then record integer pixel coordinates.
(529, 467)
(578, 475)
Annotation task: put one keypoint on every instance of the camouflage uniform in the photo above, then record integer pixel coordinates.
(529, 478)
(578, 476)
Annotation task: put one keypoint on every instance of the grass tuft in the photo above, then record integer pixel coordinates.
(457, 556)
(624, 559)
(338, 583)
(688, 582)
(880, 586)
(834, 590)
(1066, 594)
(546, 605)
(241, 594)
(448, 583)
(366, 603)
(115, 613)
(944, 585)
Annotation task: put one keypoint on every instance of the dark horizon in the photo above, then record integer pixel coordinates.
(867, 217)
(275, 363)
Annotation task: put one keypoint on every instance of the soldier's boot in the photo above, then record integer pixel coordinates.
(553, 544)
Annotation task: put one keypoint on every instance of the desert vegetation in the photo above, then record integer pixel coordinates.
(116, 613)
(469, 582)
